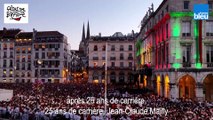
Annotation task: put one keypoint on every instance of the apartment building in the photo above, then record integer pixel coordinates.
(7, 54)
(179, 50)
(117, 51)
(31, 56)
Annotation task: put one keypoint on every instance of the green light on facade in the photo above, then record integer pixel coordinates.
(198, 65)
(138, 46)
(176, 65)
(178, 54)
(176, 28)
(181, 14)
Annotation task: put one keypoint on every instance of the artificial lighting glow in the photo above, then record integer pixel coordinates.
(176, 65)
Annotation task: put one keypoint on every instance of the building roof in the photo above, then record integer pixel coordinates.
(114, 37)
(48, 34)
(25, 35)
(10, 33)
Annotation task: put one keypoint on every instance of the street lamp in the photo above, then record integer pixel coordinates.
(39, 63)
(14, 73)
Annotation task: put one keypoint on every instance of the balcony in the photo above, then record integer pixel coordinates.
(11, 56)
(112, 58)
(4, 76)
(5, 48)
(11, 48)
(4, 56)
(130, 49)
(4, 66)
(209, 64)
(95, 58)
(17, 51)
(103, 58)
(186, 64)
(10, 75)
(130, 58)
(121, 58)
(121, 49)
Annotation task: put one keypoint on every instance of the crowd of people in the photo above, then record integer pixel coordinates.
(49, 102)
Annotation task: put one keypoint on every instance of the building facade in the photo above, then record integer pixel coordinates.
(179, 50)
(7, 54)
(31, 56)
(117, 52)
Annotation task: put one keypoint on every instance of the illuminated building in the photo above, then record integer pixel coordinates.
(179, 49)
(20, 52)
(118, 51)
(7, 38)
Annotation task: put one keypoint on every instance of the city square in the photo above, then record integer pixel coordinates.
(162, 70)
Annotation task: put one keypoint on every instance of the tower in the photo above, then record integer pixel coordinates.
(88, 31)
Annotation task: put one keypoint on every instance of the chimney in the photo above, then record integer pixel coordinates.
(99, 34)
(133, 34)
(34, 33)
(4, 30)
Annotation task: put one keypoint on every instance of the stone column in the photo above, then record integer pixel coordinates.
(199, 91)
(173, 91)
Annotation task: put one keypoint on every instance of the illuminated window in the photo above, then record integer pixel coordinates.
(29, 49)
(23, 50)
(11, 72)
(4, 71)
(11, 45)
(43, 46)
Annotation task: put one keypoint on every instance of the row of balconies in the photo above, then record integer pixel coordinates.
(113, 49)
(10, 66)
(113, 58)
(112, 67)
(24, 52)
(189, 64)
(48, 57)
(10, 75)
(49, 49)
(5, 48)
(23, 60)
(23, 68)
(5, 56)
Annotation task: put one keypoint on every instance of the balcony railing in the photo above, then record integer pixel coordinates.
(121, 58)
(209, 64)
(112, 58)
(103, 58)
(186, 64)
(95, 58)
(130, 58)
